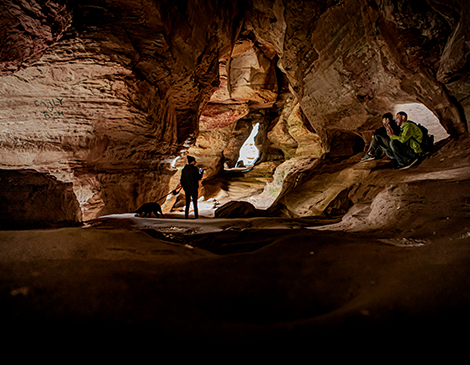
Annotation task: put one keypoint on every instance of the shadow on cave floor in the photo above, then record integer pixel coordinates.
(220, 236)
(223, 243)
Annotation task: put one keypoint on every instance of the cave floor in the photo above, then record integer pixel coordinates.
(230, 282)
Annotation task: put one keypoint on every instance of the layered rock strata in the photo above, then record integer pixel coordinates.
(107, 94)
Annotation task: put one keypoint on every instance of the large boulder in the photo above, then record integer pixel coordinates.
(236, 209)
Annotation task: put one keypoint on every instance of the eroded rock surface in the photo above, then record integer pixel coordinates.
(106, 95)
(33, 200)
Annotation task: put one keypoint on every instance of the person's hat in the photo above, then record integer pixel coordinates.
(190, 159)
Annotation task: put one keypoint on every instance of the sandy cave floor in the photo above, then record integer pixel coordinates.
(227, 281)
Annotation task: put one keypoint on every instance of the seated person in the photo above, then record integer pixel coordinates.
(405, 147)
(381, 140)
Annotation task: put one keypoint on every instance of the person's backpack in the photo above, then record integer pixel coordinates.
(427, 144)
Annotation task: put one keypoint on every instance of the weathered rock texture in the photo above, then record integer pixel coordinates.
(106, 94)
(31, 200)
(114, 98)
(430, 201)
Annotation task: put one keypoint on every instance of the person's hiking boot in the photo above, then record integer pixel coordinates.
(368, 157)
(404, 167)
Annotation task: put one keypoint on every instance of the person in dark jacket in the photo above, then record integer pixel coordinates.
(381, 140)
(190, 176)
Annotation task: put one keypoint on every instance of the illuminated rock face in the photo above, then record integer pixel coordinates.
(106, 94)
(109, 97)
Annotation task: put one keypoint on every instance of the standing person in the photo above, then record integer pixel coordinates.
(381, 140)
(405, 147)
(190, 176)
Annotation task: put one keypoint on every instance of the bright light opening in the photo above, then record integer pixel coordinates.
(419, 114)
(173, 163)
(249, 153)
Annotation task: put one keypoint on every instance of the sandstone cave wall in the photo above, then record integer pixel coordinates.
(106, 94)
(347, 63)
(350, 61)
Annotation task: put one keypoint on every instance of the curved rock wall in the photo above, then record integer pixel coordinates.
(106, 94)
(351, 61)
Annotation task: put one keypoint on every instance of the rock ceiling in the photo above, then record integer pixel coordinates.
(106, 94)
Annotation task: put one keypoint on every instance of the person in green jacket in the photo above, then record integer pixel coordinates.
(405, 147)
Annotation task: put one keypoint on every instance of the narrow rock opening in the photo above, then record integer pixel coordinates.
(249, 153)
(345, 144)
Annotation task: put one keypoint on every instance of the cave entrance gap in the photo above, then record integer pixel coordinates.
(249, 153)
